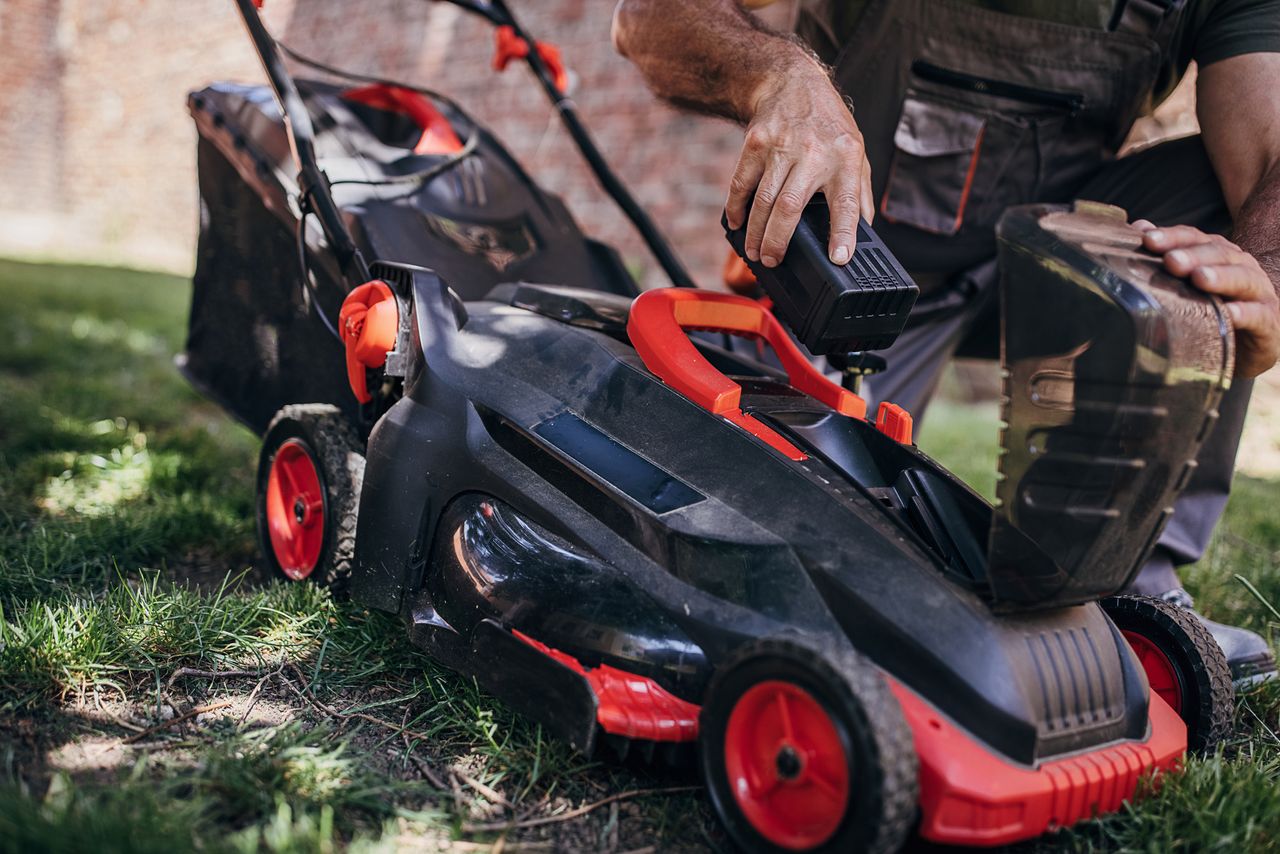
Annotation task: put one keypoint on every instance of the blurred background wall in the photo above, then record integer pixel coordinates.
(97, 153)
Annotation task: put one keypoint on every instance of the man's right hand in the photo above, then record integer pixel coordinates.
(801, 139)
(801, 136)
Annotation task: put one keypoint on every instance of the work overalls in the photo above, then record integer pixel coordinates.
(966, 112)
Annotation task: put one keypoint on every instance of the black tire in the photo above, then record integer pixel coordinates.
(1207, 699)
(879, 753)
(330, 442)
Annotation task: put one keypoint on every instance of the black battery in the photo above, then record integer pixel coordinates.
(862, 305)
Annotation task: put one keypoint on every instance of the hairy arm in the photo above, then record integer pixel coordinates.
(713, 57)
(1240, 121)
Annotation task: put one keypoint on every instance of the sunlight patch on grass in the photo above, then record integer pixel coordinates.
(94, 330)
(94, 484)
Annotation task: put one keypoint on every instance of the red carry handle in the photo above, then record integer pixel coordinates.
(658, 324)
(438, 136)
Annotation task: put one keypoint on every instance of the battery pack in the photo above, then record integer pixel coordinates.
(862, 305)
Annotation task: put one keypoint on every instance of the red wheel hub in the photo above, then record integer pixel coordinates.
(787, 765)
(295, 510)
(1161, 673)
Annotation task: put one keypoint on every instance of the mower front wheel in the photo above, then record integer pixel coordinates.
(807, 751)
(1185, 667)
(309, 476)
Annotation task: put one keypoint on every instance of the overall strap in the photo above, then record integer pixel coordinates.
(1145, 18)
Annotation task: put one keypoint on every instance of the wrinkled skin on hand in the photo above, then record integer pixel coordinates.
(1217, 266)
(801, 139)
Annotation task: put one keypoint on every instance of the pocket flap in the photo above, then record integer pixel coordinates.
(929, 129)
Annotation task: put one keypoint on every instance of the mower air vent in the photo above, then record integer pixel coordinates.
(1075, 691)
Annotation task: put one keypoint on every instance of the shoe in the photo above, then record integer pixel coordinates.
(1248, 654)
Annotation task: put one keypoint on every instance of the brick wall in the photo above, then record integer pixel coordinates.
(97, 152)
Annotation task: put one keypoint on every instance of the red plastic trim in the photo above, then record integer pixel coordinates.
(508, 46)
(970, 796)
(369, 322)
(737, 276)
(1161, 674)
(630, 705)
(295, 510)
(895, 422)
(657, 327)
(787, 765)
(438, 136)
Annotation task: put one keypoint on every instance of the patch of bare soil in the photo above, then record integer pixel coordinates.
(206, 568)
(98, 739)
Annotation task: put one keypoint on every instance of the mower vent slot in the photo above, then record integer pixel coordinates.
(1073, 686)
(616, 464)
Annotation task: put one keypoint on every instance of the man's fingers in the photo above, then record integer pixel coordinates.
(1252, 317)
(1235, 282)
(867, 210)
(843, 200)
(1173, 237)
(1181, 262)
(785, 214)
(775, 175)
(746, 176)
(1143, 224)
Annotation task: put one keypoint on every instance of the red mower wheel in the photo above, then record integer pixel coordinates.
(804, 750)
(295, 509)
(309, 477)
(1184, 665)
(1162, 675)
(787, 765)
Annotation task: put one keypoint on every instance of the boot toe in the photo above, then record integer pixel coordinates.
(1250, 657)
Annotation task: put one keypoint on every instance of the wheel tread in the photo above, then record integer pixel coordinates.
(1215, 696)
(341, 458)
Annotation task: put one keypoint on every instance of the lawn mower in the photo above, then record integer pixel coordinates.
(663, 547)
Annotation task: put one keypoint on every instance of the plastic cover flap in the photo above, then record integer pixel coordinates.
(1113, 371)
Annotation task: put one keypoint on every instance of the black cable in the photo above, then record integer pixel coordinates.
(303, 59)
(422, 176)
(313, 298)
(425, 175)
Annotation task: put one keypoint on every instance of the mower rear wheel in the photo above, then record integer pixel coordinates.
(1184, 664)
(803, 750)
(309, 476)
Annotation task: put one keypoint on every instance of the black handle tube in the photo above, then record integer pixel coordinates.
(608, 179)
(297, 122)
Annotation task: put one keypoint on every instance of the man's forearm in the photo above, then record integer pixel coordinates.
(800, 137)
(707, 55)
(1257, 224)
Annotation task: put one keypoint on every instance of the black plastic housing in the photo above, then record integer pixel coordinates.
(1113, 370)
(862, 305)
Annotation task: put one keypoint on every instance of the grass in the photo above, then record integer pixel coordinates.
(159, 692)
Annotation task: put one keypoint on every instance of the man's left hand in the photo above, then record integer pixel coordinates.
(1217, 266)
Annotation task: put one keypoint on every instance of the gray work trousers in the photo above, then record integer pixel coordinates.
(1169, 184)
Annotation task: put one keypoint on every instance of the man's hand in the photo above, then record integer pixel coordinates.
(1217, 266)
(801, 138)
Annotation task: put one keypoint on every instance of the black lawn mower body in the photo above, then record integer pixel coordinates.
(628, 567)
